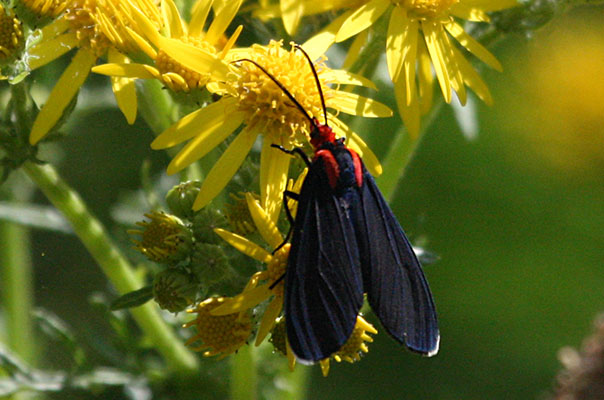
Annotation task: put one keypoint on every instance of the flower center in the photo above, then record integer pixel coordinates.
(161, 237)
(167, 65)
(426, 8)
(220, 333)
(267, 105)
(101, 23)
(11, 34)
(46, 8)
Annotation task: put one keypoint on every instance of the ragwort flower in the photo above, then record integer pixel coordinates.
(219, 334)
(166, 69)
(256, 292)
(420, 36)
(97, 28)
(251, 98)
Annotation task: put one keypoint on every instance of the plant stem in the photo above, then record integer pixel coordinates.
(17, 291)
(117, 269)
(244, 383)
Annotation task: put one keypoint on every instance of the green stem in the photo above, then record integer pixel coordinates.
(298, 383)
(244, 383)
(156, 107)
(95, 238)
(17, 291)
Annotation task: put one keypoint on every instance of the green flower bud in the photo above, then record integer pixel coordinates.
(278, 335)
(204, 223)
(174, 289)
(181, 197)
(238, 215)
(164, 239)
(209, 263)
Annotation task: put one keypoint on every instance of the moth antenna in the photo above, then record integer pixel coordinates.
(314, 72)
(283, 88)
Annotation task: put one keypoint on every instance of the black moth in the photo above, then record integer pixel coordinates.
(346, 242)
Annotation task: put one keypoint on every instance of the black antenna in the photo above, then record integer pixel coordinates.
(283, 88)
(314, 72)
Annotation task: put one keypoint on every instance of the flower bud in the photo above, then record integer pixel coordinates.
(204, 223)
(174, 289)
(209, 263)
(165, 239)
(11, 34)
(181, 197)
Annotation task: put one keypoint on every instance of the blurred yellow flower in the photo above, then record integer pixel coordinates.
(166, 69)
(251, 98)
(561, 113)
(96, 28)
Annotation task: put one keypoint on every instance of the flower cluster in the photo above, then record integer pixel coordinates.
(229, 105)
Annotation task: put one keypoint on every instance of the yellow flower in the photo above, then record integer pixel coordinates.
(421, 35)
(96, 28)
(255, 293)
(11, 34)
(163, 239)
(251, 98)
(166, 69)
(354, 347)
(223, 334)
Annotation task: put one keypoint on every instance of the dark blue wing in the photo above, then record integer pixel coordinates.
(392, 276)
(323, 281)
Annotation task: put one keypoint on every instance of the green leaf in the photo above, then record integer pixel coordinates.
(133, 299)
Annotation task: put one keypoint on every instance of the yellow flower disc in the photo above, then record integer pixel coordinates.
(266, 104)
(222, 334)
(192, 80)
(11, 34)
(427, 8)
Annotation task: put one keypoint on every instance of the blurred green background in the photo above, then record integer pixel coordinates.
(515, 214)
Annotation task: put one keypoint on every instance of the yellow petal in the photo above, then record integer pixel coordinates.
(354, 104)
(472, 79)
(409, 59)
(397, 27)
(342, 77)
(245, 246)
(425, 78)
(55, 28)
(142, 44)
(274, 165)
(432, 30)
(204, 122)
(317, 45)
(362, 18)
(473, 46)
(222, 20)
(140, 71)
(466, 12)
(231, 42)
(194, 58)
(291, 13)
(146, 27)
(354, 51)
(268, 319)
(453, 70)
(61, 95)
(225, 167)
(410, 112)
(266, 227)
(49, 50)
(491, 5)
(200, 12)
(243, 301)
(172, 20)
(124, 88)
